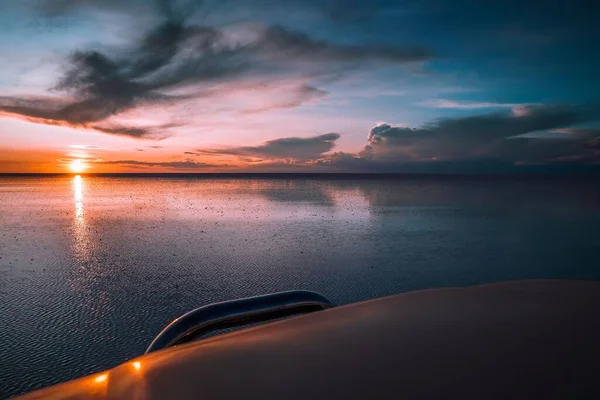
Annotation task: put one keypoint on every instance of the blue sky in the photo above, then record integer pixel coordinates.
(400, 86)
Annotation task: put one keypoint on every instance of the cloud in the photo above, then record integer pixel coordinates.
(293, 98)
(189, 165)
(176, 54)
(494, 142)
(299, 149)
(97, 89)
(154, 132)
(85, 147)
(98, 86)
(491, 137)
(498, 140)
(467, 105)
(491, 142)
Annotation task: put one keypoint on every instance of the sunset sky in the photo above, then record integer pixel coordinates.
(299, 85)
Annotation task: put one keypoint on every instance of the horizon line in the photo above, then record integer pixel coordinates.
(500, 174)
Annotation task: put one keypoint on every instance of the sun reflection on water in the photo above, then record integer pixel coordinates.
(82, 241)
(78, 192)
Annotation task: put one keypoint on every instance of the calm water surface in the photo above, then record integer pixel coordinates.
(91, 268)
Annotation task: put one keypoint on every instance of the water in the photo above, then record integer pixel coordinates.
(92, 268)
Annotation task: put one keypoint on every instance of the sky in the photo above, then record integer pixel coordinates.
(402, 86)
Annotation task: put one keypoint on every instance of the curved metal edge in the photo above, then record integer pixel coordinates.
(199, 322)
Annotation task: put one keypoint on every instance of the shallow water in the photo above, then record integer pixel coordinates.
(91, 268)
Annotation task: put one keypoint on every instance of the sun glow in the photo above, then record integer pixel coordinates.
(77, 166)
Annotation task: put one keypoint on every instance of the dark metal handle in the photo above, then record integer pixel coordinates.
(204, 320)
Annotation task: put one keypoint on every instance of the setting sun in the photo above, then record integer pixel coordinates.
(77, 166)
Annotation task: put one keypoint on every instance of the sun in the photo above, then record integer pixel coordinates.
(77, 166)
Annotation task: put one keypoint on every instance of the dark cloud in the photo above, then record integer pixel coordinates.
(490, 136)
(102, 87)
(101, 90)
(175, 54)
(286, 148)
(531, 135)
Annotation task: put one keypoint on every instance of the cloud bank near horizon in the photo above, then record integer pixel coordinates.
(535, 135)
